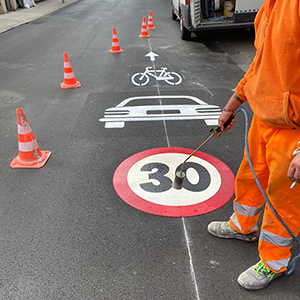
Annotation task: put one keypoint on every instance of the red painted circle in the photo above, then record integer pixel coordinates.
(221, 197)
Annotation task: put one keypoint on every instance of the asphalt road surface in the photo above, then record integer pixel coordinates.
(67, 230)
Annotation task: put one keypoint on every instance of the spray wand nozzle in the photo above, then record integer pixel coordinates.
(180, 175)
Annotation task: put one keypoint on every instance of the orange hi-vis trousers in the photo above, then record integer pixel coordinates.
(270, 150)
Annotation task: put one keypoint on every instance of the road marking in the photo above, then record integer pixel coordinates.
(126, 111)
(183, 221)
(144, 181)
(158, 92)
(152, 55)
(193, 275)
(142, 79)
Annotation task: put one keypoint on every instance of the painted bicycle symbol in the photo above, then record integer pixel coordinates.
(141, 79)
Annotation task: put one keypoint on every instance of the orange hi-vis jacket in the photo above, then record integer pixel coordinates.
(272, 83)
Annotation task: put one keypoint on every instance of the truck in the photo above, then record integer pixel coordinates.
(200, 15)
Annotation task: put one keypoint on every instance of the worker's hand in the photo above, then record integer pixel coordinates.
(294, 169)
(225, 115)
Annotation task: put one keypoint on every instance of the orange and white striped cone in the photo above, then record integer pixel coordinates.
(30, 154)
(144, 32)
(69, 77)
(150, 21)
(115, 47)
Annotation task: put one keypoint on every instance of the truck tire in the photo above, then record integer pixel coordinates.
(252, 31)
(185, 34)
(174, 17)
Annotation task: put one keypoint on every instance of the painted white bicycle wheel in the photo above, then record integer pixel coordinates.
(140, 79)
(176, 79)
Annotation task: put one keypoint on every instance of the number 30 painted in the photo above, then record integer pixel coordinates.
(165, 183)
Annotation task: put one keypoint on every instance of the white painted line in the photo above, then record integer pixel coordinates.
(183, 221)
(158, 92)
(191, 260)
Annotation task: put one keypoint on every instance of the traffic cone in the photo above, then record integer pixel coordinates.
(115, 47)
(150, 21)
(144, 32)
(30, 154)
(69, 77)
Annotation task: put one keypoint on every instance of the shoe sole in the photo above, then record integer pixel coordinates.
(242, 238)
(252, 288)
(258, 288)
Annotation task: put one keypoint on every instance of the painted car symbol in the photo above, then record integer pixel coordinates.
(152, 108)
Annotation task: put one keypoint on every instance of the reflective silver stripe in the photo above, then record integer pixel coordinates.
(24, 129)
(278, 264)
(114, 44)
(69, 75)
(235, 221)
(255, 227)
(247, 211)
(275, 239)
(27, 147)
(67, 65)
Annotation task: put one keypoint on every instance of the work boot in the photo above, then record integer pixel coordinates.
(257, 277)
(225, 231)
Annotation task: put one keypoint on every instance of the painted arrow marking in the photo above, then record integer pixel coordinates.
(152, 55)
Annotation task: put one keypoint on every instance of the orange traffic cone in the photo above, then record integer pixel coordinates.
(69, 77)
(144, 32)
(30, 154)
(115, 47)
(150, 21)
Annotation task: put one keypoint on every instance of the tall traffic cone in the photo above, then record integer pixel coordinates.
(115, 47)
(150, 21)
(30, 154)
(69, 77)
(144, 32)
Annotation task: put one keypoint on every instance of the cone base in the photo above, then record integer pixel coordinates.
(70, 86)
(144, 36)
(151, 28)
(17, 163)
(115, 51)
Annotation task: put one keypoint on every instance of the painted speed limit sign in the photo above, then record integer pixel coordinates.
(145, 179)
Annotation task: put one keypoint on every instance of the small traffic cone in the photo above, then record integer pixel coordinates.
(115, 47)
(144, 32)
(30, 154)
(150, 21)
(69, 77)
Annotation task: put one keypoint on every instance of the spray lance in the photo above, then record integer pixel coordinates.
(180, 175)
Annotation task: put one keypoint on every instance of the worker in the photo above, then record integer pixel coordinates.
(272, 88)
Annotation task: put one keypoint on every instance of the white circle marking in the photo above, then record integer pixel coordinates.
(173, 197)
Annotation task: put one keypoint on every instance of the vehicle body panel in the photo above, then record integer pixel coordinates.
(194, 21)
